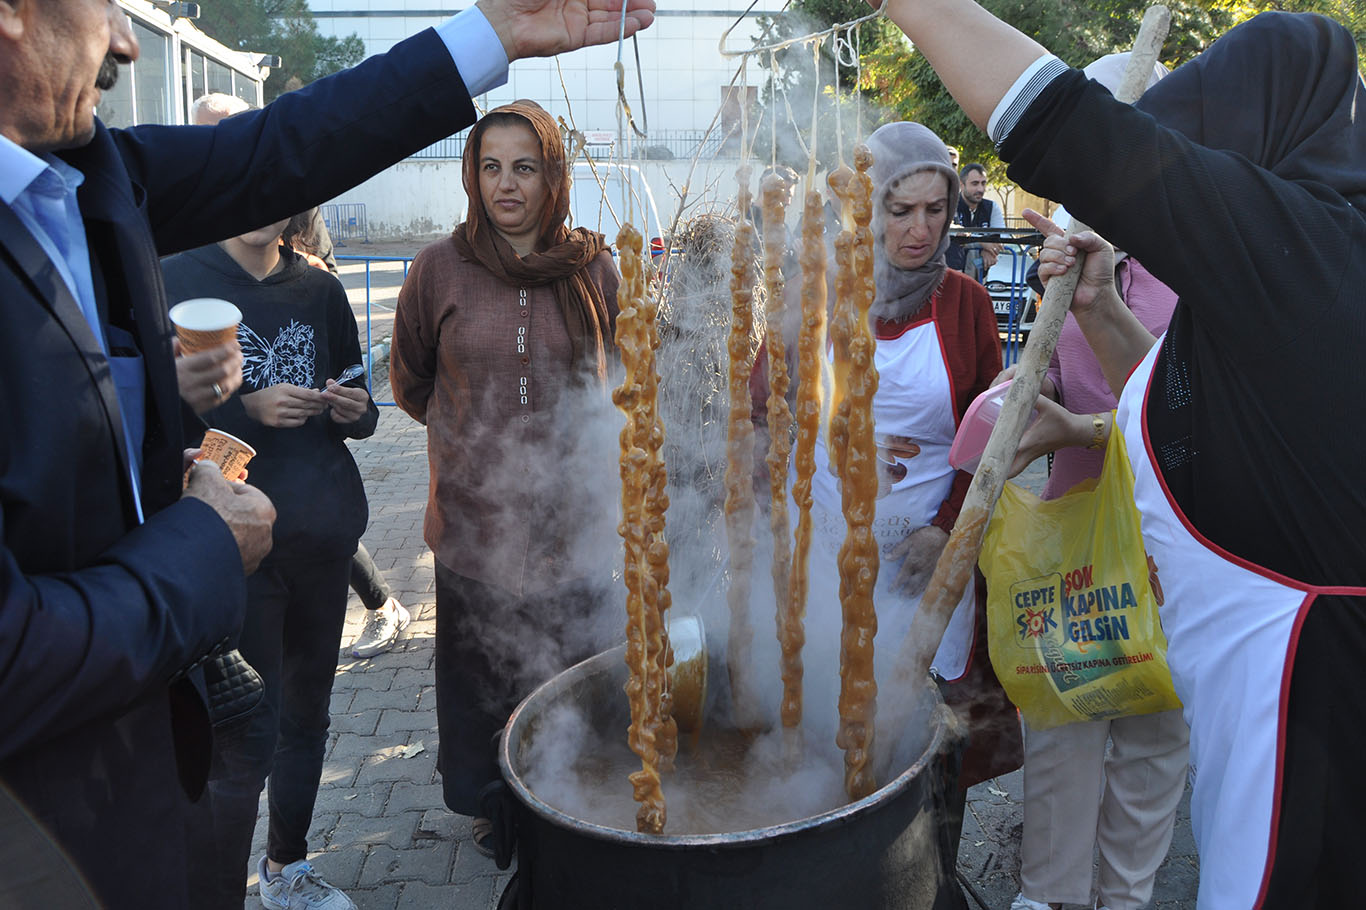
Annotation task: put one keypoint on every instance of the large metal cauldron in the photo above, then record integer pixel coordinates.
(889, 850)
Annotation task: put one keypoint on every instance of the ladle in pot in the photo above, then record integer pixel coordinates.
(688, 674)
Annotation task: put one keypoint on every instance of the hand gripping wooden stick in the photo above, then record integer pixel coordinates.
(954, 570)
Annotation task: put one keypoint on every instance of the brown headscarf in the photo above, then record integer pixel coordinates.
(560, 256)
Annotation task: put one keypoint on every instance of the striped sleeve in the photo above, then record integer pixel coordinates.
(1027, 87)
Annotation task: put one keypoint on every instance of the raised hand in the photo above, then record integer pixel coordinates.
(1058, 253)
(1114, 333)
(543, 28)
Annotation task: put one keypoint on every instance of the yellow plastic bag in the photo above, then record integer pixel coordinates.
(1072, 602)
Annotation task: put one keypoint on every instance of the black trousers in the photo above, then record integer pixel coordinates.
(492, 649)
(291, 635)
(367, 580)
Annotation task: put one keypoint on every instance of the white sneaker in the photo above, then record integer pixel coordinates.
(298, 887)
(381, 629)
(1023, 903)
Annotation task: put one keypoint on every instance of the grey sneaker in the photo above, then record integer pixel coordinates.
(298, 887)
(381, 629)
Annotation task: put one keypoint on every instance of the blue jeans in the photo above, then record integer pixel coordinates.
(291, 635)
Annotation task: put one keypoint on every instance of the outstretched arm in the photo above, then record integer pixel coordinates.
(977, 56)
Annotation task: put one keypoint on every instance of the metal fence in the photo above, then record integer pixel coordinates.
(369, 321)
(662, 145)
(450, 147)
(346, 221)
(665, 145)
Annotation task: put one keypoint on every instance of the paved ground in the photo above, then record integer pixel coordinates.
(380, 830)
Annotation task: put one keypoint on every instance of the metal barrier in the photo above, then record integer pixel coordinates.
(663, 145)
(1019, 299)
(450, 147)
(670, 144)
(369, 334)
(346, 221)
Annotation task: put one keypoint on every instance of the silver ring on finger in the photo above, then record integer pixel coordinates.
(217, 392)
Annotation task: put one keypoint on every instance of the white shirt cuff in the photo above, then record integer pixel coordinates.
(1027, 87)
(476, 50)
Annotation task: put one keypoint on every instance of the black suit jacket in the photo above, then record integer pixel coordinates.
(102, 619)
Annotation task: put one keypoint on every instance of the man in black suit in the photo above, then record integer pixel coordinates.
(113, 583)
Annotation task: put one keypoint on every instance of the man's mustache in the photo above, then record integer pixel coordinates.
(109, 73)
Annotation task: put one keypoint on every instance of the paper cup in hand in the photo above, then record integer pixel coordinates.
(230, 453)
(204, 322)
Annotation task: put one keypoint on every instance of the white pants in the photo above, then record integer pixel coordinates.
(1077, 798)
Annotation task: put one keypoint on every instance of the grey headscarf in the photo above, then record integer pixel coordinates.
(900, 150)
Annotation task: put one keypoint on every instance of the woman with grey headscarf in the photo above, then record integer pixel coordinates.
(937, 348)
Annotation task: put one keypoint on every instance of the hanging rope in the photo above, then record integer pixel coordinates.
(789, 42)
(858, 80)
(622, 103)
(772, 105)
(815, 113)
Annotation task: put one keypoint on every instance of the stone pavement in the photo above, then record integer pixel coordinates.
(380, 830)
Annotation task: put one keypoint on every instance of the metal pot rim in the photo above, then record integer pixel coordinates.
(839, 816)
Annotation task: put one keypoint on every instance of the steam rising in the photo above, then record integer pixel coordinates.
(576, 758)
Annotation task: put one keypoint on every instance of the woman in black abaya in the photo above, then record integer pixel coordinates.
(1240, 182)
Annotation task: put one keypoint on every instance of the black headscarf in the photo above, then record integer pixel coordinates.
(1283, 91)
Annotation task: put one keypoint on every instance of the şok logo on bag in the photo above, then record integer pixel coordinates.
(1036, 609)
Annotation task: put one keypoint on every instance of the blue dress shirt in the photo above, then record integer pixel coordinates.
(41, 191)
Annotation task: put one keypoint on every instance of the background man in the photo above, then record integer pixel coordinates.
(975, 211)
(114, 585)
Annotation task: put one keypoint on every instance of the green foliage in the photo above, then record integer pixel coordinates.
(901, 84)
(1351, 13)
(1078, 31)
(285, 28)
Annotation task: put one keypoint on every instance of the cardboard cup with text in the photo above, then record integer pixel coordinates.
(204, 322)
(230, 453)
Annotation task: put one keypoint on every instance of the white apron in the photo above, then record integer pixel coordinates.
(914, 402)
(1231, 630)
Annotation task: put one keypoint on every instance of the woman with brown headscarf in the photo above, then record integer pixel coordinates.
(501, 340)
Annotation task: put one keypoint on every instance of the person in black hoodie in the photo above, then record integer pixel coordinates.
(297, 332)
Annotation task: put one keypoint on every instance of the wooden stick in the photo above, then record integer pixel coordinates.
(954, 570)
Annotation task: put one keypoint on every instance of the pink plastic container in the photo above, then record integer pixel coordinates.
(971, 440)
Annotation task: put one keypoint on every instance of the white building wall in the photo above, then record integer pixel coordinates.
(418, 199)
(682, 71)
